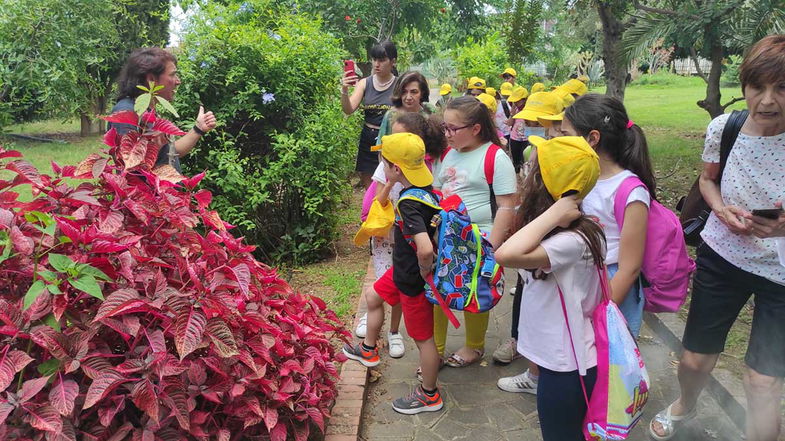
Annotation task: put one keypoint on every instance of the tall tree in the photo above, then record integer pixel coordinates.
(524, 30)
(612, 13)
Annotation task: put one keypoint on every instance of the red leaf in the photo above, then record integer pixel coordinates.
(317, 417)
(9, 153)
(43, 418)
(69, 171)
(165, 126)
(192, 182)
(104, 246)
(157, 341)
(121, 301)
(22, 244)
(62, 396)
(11, 363)
(70, 228)
(149, 117)
(5, 409)
(203, 198)
(168, 173)
(99, 167)
(111, 221)
(212, 219)
(243, 276)
(134, 154)
(151, 156)
(85, 168)
(8, 197)
(123, 117)
(107, 412)
(106, 381)
(31, 387)
(26, 171)
(189, 329)
(270, 418)
(222, 338)
(144, 397)
(224, 435)
(111, 138)
(177, 399)
(279, 432)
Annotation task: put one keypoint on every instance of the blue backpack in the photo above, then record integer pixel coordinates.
(466, 276)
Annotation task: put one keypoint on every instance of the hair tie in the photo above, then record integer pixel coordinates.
(630, 124)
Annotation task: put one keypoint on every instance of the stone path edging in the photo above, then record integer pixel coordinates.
(724, 386)
(344, 424)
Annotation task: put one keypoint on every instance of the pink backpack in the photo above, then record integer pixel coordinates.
(370, 194)
(667, 267)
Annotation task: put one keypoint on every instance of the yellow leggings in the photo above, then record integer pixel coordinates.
(476, 327)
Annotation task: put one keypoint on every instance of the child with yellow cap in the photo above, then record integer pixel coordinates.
(517, 101)
(503, 112)
(490, 102)
(538, 104)
(475, 86)
(537, 87)
(413, 256)
(559, 251)
(445, 96)
(509, 75)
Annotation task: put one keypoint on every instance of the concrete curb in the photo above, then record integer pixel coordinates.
(725, 387)
(344, 425)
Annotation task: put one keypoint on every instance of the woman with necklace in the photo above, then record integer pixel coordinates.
(374, 94)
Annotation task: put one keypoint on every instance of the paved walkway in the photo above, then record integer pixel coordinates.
(476, 410)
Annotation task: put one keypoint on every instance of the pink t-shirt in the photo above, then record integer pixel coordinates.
(518, 128)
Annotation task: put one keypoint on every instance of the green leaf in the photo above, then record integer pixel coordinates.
(158, 87)
(54, 289)
(142, 103)
(88, 284)
(84, 268)
(49, 367)
(52, 322)
(60, 262)
(65, 239)
(167, 105)
(49, 276)
(35, 290)
(139, 86)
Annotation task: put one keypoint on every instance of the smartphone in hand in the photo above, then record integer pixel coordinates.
(348, 67)
(768, 213)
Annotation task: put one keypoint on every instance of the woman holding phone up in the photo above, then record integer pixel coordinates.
(374, 94)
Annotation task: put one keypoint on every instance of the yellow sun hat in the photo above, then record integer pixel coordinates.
(567, 163)
(518, 93)
(537, 87)
(476, 83)
(407, 151)
(490, 91)
(446, 89)
(510, 71)
(575, 86)
(506, 89)
(541, 104)
(565, 95)
(488, 101)
(547, 120)
(378, 223)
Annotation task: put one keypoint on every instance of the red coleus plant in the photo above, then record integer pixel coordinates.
(129, 312)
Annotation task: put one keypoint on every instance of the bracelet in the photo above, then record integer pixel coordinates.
(198, 131)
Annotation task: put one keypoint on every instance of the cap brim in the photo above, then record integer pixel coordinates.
(419, 176)
(529, 115)
(548, 120)
(505, 94)
(537, 141)
(447, 92)
(376, 148)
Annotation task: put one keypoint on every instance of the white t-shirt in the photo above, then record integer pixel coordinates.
(599, 203)
(379, 176)
(754, 177)
(464, 174)
(501, 118)
(542, 329)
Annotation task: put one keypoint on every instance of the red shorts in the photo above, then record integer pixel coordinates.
(417, 310)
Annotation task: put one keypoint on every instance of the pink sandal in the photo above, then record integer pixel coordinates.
(456, 361)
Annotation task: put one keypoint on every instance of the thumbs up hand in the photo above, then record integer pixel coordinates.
(205, 121)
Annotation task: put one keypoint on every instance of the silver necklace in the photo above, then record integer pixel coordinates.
(382, 86)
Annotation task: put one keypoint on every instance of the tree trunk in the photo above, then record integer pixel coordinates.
(615, 68)
(712, 102)
(86, 125)
(89, 123)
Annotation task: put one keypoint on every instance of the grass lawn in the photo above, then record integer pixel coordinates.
(664, 106)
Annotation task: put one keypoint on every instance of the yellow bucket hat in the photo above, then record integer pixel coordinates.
(547, 120)
(446, 89)
(518, 93)
(378, 223)
(476, 83)
(565, 95)
(407, 151)
(541, 104)
(506, 89)
(575, 86)
(537, 87)
(567, 163)
(490, 91)
(510, 71)
(488, 101)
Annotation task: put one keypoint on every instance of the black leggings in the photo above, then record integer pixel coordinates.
(516, 150)
(561, 404)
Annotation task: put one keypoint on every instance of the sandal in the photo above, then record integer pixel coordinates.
(456, 361)
(670, 423)
(419, 369)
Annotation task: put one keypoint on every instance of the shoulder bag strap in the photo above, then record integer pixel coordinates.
(729, 134)
(490, 163)
(572, 342)
(622, 194)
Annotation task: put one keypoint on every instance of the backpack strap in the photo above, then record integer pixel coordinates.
(490, 163)
(729, 135)
(506, 108)
(442, 303)
(419, 195)
(622, 194)
(444, 153)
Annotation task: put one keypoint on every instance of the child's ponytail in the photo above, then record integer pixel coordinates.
(623, 140)
(475, 112)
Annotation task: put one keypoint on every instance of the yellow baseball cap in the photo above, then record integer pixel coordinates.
(575, 86)
(445, 89)
(567, 163)
(518, 93)
(506, 89)
(510, 71)
(378, 223)
(547, 120)
(407, 151)
(476, 83)
(583, 79)
(488, 100)
(541, 104)
(565, 95)
(490, 91)
(538, 87)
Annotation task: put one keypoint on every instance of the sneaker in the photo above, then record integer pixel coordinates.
(362, 326)
(513, 290)
(395, 344)
(506, 352)
(519, 383)
(367, 358)
(418, 401)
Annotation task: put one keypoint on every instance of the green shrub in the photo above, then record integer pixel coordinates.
(279, 161)
(663, 78)
(730, 72)
(485, 59)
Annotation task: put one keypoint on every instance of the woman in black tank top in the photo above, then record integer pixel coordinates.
(374, 95)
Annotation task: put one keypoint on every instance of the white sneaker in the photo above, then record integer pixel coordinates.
(519, 383)
(362, 326)
(395, 345)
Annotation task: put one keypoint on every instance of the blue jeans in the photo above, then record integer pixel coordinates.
(632, 306)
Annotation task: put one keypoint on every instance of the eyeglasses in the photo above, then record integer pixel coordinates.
(449, 130)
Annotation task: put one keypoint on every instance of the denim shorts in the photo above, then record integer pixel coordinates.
(632, 306)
